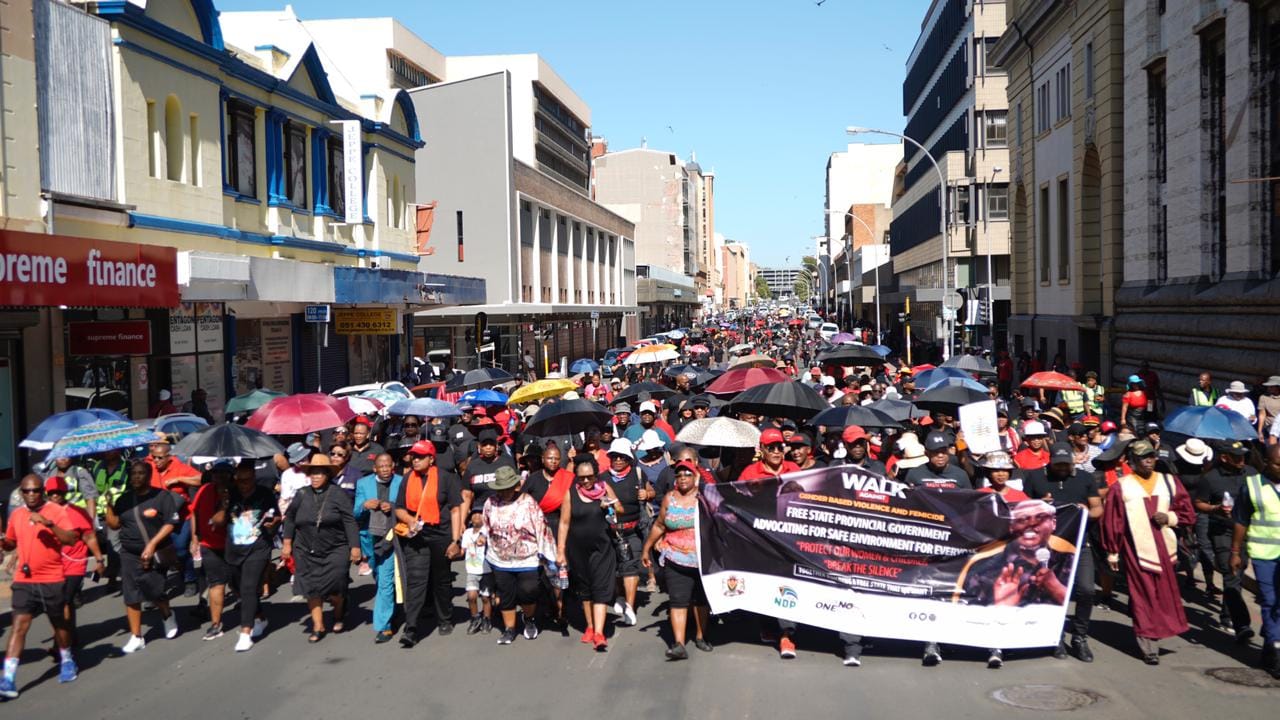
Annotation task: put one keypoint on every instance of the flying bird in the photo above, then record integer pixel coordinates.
(819, 2)
(672, 130)
(886, 47)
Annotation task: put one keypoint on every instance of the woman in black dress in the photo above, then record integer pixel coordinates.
(585, 546)
(320, 522)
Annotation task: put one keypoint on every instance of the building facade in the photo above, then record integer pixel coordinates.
(1202, 214)
(782, 281)
(1065, 65)
(738, 278)
(957, 108)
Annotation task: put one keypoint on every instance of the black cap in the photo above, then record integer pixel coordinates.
(934, 442)
(1151, 427)
(438, 434)
(1061, 453)
(1077, 429)
(1236, 448)
(1028, 402)
(487, 435)
(247, 463)
(788, 425)
(801, 438)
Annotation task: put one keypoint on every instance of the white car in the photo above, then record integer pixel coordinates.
(815, 322)
(828, 330)
(393, 386)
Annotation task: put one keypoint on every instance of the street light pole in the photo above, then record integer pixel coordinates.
(986, 238)
(942, 220)
(848, 256)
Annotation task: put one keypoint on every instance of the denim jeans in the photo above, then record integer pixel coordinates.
(182, 546)
(1268, 590)
(384, 601)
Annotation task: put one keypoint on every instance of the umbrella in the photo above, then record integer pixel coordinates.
(58, 425)
(226, 441)
(788, 399)
(483, 396)
(567, 417)
(705, 377)
(300, 414)
(922, 367)
(361, 405)
(883, 350)
(676, 334)
(584, 365)
(740, 347)
(633, 392)
(975, 364)
(1054, 381)
(425, 407)
(945, 396)
(843, 337)
(860, 415)
(899, 410)
(541, 390)
(931, 376)
(250, 401)
(101, 436)
(385, 396)
(652, 354)
(958, 382)
(678, 370)
(797, 322)
(753, 360)
(739, 379)
(482, 378)
(1210, 423)
(719, 432)
(850, 355)
(698, 349)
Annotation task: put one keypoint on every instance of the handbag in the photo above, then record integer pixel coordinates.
(165, 557)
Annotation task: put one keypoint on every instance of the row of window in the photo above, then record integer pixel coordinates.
(175, 154)
(1053, 100)
(241, 158)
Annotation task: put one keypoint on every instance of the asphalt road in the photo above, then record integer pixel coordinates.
(554, 676)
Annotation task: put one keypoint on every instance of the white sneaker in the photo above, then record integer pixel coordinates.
(171, 626)
(616, 608)
(244, 643)
(628, 614)
(852, 661)
(134, 644)
(259, 628)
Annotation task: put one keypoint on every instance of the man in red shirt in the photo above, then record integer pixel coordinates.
(773, 458)
(170, 473)
(209, 538)
(1033, 455)
(75, 557)
(37, 530)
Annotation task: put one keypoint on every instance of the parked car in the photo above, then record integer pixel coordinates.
(815, 322)
(83, 398)
(614, 357)
(394, 386)
(828, 330)
(175, 425)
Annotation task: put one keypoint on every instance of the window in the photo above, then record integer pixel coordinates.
(295, 163)
(1156, 101)
(961, 205)
(176, 152)
(1042, 108)
(153, 141)
(337, 177)
(1017, 120)
(998, 202)
(1064, 230)
(1213, 97)
(1062, 83)
(242, 171)
(1266, 36)
(461, 255)
(1042, 211)
(1088, 70)
(194, 135)
(996, 130)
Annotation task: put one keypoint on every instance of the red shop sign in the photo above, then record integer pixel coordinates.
(126, 337)
(52, 270)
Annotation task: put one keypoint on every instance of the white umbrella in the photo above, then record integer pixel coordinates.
(719, 432)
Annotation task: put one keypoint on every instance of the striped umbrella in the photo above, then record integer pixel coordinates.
(102, 436)
(58, 425)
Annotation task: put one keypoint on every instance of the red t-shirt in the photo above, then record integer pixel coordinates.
(203, 507)
(176, 469)
(1028, 459)
(38, 548)
(1136, 399)
(1010, 494)
(75, 557)
(757, 470)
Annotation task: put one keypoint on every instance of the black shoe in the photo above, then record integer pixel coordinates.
(677, 652)
(444, 629)
(932, 654)
(191, 590)
(1270, 659)
(1080, 646)
(1244, 635)
(383, 637)
(473, 627)
(1151, 659)
(1060, 652)
(703, 645)
(995, 659)
(408, 639)
(507, 636)
(486, 625)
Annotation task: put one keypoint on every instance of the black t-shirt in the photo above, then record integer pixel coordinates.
(1210, 489)
(142, 517)
(245, 516)
(361, 461)
(951, 476)
(672, 404)
(448, 496)
(868, 464)
(1075, 488)
(480, 475)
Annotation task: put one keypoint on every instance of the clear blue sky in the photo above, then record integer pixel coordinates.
(761, 90)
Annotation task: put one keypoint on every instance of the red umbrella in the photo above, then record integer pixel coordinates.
(797, 322)
(739, 379)
(699, 349)
(1051, 381)
(921, 368)
(300, 414)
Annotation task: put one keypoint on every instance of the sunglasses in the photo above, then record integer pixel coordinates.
(32, 491)
(337, 454)
(775, 447)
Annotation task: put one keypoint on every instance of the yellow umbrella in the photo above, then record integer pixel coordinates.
(540, 390)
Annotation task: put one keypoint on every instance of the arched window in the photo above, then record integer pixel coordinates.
(176, 154)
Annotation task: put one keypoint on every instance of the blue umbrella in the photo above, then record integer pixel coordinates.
(929, 377)
(964, 382)
(884, 351)
(583, 365)
(102, 436)
(57, 425)
(425, 407)
(1210, 423)
(483, 397)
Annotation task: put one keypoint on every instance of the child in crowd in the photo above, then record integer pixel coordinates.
(479, 576)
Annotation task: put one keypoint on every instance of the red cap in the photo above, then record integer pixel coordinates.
(55, 484)
(362, 420)
(815, 371)
(423, 447)
(480, 412)
(689, 465)
(770, 436)
(853, 433)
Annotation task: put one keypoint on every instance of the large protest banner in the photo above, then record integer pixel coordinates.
(850, 550)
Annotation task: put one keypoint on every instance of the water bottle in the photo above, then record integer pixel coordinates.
(197, 558)
(1227, 501)
(562, 577)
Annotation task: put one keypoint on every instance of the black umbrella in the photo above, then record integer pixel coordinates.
(476, 379)
(678, 370)
(788, 399)
(227, 440)
(970, 363)
(900, 410)
(705, 378)
(566, 417)
(948, 397)
(860, 415)
(851, 355)
(633, 393)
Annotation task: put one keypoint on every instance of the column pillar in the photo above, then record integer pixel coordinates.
(535, 274)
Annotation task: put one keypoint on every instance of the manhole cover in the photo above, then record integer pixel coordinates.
(1249, 677)
(1045, 697)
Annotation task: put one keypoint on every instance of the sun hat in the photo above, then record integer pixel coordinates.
(297, 452)
(1034, 428)
(505, 478)
(621, 446)
(320, 462)
(1195, 451)
(996, 460)
(1237, 387)
(1273, 381)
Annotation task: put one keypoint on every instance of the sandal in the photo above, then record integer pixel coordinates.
(338, 627)
(316, 636)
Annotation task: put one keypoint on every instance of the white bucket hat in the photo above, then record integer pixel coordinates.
(1195, 451)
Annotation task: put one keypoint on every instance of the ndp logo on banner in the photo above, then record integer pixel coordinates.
(787, 598)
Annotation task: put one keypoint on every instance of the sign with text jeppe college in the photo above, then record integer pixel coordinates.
(366, 321)
(53, 270)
